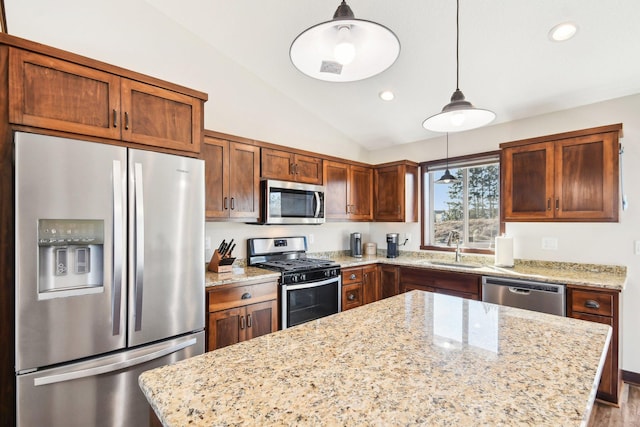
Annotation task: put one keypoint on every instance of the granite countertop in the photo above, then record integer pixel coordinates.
(413, 359)
(590, 275)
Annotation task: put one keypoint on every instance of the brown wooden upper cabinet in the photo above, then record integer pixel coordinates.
(232, 180)
(565, 177)
(396, 192)
(349, 191)
(54, 94)
(287, 166)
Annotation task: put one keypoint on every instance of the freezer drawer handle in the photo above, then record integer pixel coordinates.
(519, 291)
(98, 370)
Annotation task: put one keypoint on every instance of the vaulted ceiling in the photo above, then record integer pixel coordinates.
(507, 62)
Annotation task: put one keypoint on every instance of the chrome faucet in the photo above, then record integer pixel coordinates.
(454, 234)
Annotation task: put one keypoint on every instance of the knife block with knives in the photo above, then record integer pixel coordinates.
(221, 261)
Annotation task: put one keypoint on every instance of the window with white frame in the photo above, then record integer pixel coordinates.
(465, 211)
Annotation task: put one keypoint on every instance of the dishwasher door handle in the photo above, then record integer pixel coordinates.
(519, 291)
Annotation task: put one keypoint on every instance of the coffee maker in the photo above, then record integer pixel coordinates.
(392, 245)
(356, 245)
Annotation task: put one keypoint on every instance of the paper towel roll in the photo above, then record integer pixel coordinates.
(504, 251)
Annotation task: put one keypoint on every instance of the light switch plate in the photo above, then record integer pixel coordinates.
(550, 243)
(637, 247)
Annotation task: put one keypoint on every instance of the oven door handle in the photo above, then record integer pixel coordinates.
(312, 284)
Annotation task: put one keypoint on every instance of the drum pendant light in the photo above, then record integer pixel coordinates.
(344, 49)
(447, 177)
(459, 114)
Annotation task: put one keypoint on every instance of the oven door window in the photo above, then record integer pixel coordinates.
(312, 303)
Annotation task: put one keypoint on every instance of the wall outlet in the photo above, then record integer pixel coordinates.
(311, 239)
(550, 243)
(637, 247)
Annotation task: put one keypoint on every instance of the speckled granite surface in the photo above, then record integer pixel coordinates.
(414, 359)
(592, 275)
(239, 274)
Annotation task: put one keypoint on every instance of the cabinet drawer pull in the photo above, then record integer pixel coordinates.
(592, 304)
(115, 119)
(249, 322)
(292, 170)
(226, 203)
(242, 322)
(233, 203)
(246, 295)
(549, 204)
(353, 276)
(351, 296)
(126, 120)
(557, 204)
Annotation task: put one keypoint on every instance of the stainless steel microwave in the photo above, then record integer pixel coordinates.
(285, 202)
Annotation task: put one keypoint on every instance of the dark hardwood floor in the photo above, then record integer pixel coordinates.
(628, 414)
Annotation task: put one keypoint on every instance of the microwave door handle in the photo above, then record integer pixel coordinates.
(139, 245)
(317, 196)
(116, 301)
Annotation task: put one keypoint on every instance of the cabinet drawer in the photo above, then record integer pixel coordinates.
(352, 275)
(597, 303)
(464, 284)
(239, 295)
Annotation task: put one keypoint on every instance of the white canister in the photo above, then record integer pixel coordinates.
(504, 251)
(370, 249)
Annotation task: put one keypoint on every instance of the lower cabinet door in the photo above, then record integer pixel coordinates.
(224, 328)
(262, 319)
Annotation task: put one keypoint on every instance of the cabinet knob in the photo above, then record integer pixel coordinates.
(353, 276)
(246, 295)
(592, 304)
(351, 296)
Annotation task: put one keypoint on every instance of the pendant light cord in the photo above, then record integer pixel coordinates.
(457, 44)
(447, 150)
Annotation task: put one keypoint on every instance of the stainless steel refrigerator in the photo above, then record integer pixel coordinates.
(109, 277)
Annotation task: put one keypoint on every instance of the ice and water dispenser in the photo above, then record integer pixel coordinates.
(70, 257)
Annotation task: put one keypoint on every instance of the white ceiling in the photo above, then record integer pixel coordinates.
(507, 62)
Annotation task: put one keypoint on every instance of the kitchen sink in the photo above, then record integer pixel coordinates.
(456, 264)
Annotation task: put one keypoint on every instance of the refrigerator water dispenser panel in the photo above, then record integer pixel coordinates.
(70, 257)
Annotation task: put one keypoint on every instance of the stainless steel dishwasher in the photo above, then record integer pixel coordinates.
(530, 295)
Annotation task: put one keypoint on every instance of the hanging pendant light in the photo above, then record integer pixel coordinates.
(344, 49)
(447, 177)
(459, 114)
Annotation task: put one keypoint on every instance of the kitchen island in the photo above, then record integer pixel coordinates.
(413, 359)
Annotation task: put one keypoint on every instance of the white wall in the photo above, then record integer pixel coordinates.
(599, 243)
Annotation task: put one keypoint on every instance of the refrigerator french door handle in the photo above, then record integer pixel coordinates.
(98, 370)
(139, 245)
(116, 312)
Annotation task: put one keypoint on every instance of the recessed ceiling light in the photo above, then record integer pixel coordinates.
(562, 32)
(386, 95)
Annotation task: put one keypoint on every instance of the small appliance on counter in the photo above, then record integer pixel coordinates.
(393, 249)
(356, 245)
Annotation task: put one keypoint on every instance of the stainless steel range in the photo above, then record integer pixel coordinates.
(310, 288)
